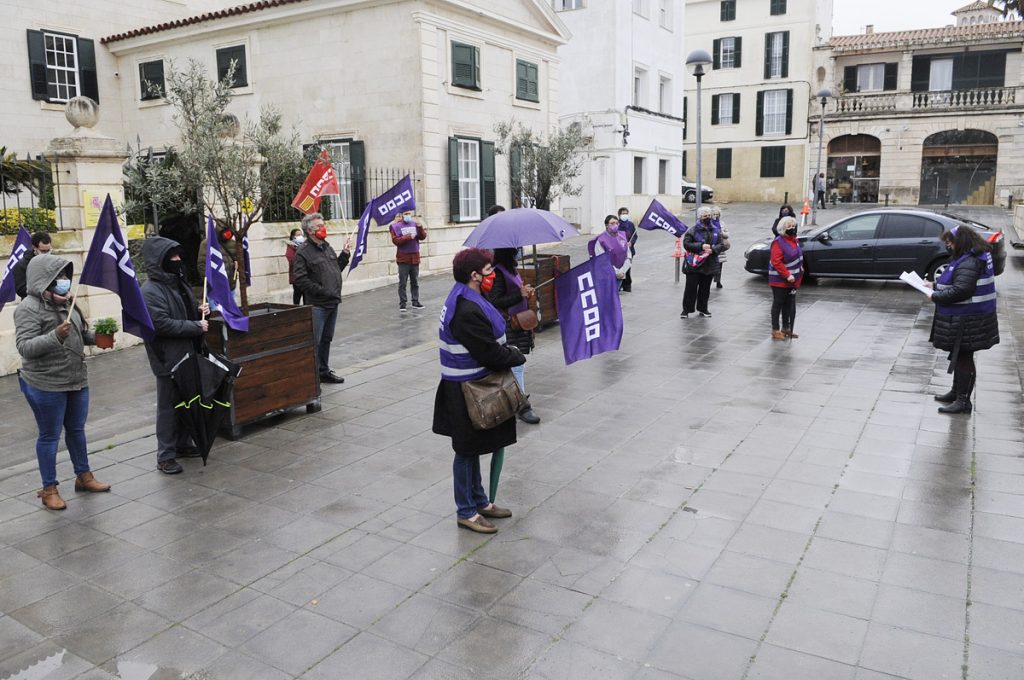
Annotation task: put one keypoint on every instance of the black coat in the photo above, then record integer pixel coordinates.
(20, 274)
(172, 307)
(473, 330)
(970, 332)
(694, 240)
(317, 270)
(502, 297)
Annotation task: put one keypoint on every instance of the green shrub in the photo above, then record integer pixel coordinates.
(34, 219)
(106, 326)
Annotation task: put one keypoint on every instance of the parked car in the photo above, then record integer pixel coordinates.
(879, 244)
(690, 192)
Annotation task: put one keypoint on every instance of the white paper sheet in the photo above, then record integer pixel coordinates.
(915, 281)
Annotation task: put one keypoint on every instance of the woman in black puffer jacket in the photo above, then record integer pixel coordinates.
(510, 293)
(965, 312)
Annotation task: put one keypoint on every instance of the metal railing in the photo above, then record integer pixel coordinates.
(29, 193)
(358, 186)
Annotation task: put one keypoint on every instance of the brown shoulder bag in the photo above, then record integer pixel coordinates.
(493, 399)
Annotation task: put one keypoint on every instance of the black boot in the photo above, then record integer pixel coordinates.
(963, 397)
(948, 397)
(527, 415)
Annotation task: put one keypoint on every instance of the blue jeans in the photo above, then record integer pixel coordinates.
(469, 491)
(324, 319)
(54, 411)
(519, 373)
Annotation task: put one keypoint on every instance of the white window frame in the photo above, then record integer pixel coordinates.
(665, 94)
(774, 117)
(775, 55)
(665, 14)
(341, 160)
(567, 5)
(726, 115)
(63, 78)
(728, 48)
(639, 86)
(871, 77)
(470, 183)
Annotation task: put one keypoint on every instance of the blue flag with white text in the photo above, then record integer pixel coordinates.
(659, 217)
(248, 262)
(589, 310)
(218, 286)
(361, 235)
(394, 201)
(109, 265)
(22, 244)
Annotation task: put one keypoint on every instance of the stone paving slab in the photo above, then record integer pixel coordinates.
(754, 509)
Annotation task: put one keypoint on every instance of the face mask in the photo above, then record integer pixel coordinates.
(62, 286)
(487, 282)
(407, 218)
(173, 267)
(614, 227)
(624, 217)
(299, 239)
(791, 231)
(706, 221)
(320, 233)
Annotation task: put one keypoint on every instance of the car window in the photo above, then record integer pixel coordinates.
(909, 226)
(856, 228)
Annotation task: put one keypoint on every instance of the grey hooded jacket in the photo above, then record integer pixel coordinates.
(47, 362)
(175, 320)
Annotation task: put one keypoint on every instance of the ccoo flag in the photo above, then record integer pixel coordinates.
(108, 265)
(362, 234)
(22, 244)
(589, 311)
(395, 200)
(659, 217)
(321, 181)
(218, 285)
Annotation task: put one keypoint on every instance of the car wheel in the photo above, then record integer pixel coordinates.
(690, 196)
(936, 268)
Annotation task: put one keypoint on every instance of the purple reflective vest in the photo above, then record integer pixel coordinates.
(792, 257)
(984, 299)
(616, 246)
(456, 362)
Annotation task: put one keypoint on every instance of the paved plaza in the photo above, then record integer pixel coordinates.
(703, 504)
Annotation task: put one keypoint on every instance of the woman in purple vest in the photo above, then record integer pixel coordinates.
(705, 239)
(965, 312)
(511, 296)
(785, 274)
(613, 242)
(472, 344)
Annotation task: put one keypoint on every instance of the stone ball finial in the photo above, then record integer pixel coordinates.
(82, 112)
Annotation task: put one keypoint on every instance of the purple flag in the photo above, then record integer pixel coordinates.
(362, 234)
(395, 200)
(108, 265)
(248, 263)
(218, 287)
(589, 311)
(659, 217)
(22, 244)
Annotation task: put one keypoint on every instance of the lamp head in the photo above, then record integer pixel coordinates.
(824, 94)
(697, 60)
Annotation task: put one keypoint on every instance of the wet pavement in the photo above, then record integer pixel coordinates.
(705, 503)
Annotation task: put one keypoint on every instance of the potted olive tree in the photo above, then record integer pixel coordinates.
(104, 330)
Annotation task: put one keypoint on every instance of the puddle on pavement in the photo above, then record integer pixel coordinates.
(42, 668)
(126, 670)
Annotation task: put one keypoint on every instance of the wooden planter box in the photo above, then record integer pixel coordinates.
(546, 266)
(278, 362)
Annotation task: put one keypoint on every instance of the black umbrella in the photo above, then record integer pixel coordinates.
(203, 384)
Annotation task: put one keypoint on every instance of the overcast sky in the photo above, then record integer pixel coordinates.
(850, 16)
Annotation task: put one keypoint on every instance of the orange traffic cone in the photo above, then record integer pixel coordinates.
(807, 208)
(678, 253)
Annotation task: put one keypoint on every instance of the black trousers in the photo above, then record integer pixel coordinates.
(627, 283)
(410, 273)
(821, 199)
(169, 437)
(784, 305)
(697, 292)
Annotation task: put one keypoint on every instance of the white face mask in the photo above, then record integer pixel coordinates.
(624, 217)
(299, 240)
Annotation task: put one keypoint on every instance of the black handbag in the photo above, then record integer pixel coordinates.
(493, 399)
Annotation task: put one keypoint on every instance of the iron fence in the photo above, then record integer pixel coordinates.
(29, 192)
(358, 185)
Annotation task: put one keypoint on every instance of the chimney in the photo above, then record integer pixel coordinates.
(869, 29)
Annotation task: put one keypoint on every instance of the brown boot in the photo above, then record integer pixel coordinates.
(777, 335)
(51, 498)
(86, 482)
(789, 333)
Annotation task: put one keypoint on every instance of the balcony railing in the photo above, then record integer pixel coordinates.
(909, 103)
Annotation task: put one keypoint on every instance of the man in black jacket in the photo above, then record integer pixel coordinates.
(318, 275)
(179, 325)
(40, 244)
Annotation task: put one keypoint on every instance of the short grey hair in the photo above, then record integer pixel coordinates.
(703, 212)
(307, 220)
(716, 211)
(786, 222)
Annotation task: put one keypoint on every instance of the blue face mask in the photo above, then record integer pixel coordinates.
(407, 218)
(62, 286)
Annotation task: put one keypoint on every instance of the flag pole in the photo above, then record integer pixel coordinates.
(74, 300)
(206, 282)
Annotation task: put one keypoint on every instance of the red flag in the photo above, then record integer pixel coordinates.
(321, 181)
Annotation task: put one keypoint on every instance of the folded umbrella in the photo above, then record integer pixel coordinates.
(520, 227)
(497, 460)
(203, 385)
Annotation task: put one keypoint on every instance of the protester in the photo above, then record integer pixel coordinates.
(614, 242)
(318, 275)
(785, 274)
(965, 313)
(629, 230)
(510, 295)
(703, 242)
(53, 375)
(495, 209)
(785, 211)
(406, 234)
(295, 241)
(472, 346)
(819, 190)
(40, 244)
(179, 324)
(228, 247)
(716, 217)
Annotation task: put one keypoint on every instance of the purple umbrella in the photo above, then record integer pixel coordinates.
(520, 227)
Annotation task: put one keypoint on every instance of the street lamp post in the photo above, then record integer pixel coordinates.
(696, 61)
(824, 94)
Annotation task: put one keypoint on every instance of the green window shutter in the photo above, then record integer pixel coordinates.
(527, 86)
(716, 52)
(920, 74)
(37, 64)
(151, 73)
(515, 167)
(735, 110)
(778, 7)
(723, 164)
(759, 122)
(489, 192)
(728, 10)
(789, 112)
(715, 102)
(533, 89)
(767, 55)
(465, 66)
(891, 72)
(225, 56)
(785, 54)
(453, 179)
(738, 58)
(357, 162)
(850, 78)
(88, 85)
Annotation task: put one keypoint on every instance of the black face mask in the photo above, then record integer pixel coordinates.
(791, 231)
(173, 267)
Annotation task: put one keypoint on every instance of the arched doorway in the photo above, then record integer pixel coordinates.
(854, 162)
(959, 166)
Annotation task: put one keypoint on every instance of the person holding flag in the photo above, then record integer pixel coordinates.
(613, 242)
(180, 323)
(629, 229)
(703, 243)
(318, 275)
(406, 234)
(51, 336)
